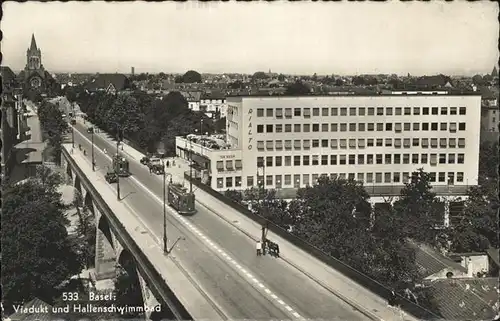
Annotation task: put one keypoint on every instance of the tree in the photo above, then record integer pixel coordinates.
(128, 292)
(418, 209)
(297, 88)
(488, 161)
(53, 125)
(234, 195)
(478, 80)
(220, 125)
(191, 76)
(281, 77)
(85, 231)
(37, 254)
(259, 75)
(125, 115)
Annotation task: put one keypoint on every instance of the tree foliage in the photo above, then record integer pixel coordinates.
(37, 254)
(128, 292)
(53, 125)
(297, 88)
(259, 75)
(85, 232)
(190, 77)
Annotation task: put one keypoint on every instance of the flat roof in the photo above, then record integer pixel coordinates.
(356, 94)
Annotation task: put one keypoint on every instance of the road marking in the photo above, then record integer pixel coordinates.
(281, 302)
(274, 296)
(204, 237)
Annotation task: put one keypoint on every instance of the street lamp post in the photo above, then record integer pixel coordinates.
(93, 157)
(73, 126)
(116, 166)
(165, 239)
(261, 194)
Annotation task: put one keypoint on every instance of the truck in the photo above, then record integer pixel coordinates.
(180, 199)
(121, 166)
(156, 166)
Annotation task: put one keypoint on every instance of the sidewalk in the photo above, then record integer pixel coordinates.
(334, 281)
(168, 267)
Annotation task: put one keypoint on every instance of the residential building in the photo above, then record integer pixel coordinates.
(213, 104)
(110, 83)
(489, 113)
(193, 98)
(377, 139)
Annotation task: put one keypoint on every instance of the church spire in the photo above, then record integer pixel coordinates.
(33, 42)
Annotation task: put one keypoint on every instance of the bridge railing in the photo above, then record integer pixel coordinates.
(361, 278)
(158, 288)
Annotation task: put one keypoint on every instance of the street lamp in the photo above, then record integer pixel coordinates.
(118, 129)
(93, 157)
(165, 246)
(73, 126)
(261, 194)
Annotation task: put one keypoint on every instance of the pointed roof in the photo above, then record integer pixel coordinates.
(33, 42)
(494, 73)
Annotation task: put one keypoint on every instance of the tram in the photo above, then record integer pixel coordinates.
(120, 164)
(181, 199)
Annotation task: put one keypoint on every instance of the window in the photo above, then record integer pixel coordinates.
(343, 111)
(297, 144)
(397, 127)
(324, 111)
(442, 176)
(296, 160)
(460, 158)
(371, 127)
(425, 126)
(288, 112)
(388, 142)
(333, 159)
(334, 111)
(461, 142)
(342, 159)
(333, 144)
(423, 159)
(444, 111)
(442, 142)
(380, 142)
(279, 112)
(397, 142)
(461, 126)
(460, 176)
(269, 180)
(361, 159)
(324, 159)
(361, 143)
(387, 177)
(288, 179)
(288, 160)
(406, 177)
(260, 112)
(352, 143)
(451, 158)
(260, 161)
(432, 177)
(397, 159)
(279, 128)
(371, 111)
(380, 127)
(220, 165)
(352, 111)
(315, 128)
(229, 182)
(296, 128)
(269, 128)
(416, 126)
(305, 160)
(288, 128)
(361, 177)
(361, 127)
(369, 142)
(229, 165)
(461, 111)
(388, 159)
(443, 126)
(277, 179)
(269, 144)
(369, 177)
(307, 128)
(315, 111)
(378, 158)
(269, 161)
(398, 111)
(406, 158)
(416, 111)
(352, 159)
(453, 110)
(406, 143)
(434, 142)
(296, 181)
(269, 112)
(453, 127)
(220, 182)
(407, 111)
(278, 161)
(414, 142)
(315, 143)
(238, 164)
(343, 127)
(369, 159)
(434, 126)
(407, 127)
(378, 177)
(361, 111)
(260, 128)
(380, 111)
(425, 111)
(307, 112)
(388, 126)
(334, 127)
(237, 181)
(288, 144)
(249, 181)
(388, 111)
(296, 111)
(315, 160)
(396, 177)
(352, 127)
(434, 110)
(324, 143)
(433, 160)
(442, 158)
(343, 143)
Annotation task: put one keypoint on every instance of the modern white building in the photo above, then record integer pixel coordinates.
(379, 139)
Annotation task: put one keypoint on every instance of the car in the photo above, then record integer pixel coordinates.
(111, 177)
(145, 160)
(90, 130)
(73, 122)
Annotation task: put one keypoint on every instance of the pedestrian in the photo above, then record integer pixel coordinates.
(258, 246)
(105, 151)
(168, 164)
(173, 162)
(392, 298)
(277, 249)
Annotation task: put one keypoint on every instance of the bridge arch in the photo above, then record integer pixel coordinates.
(88, 203)
(128, 285)
(103, 226)
(78, 184)
(69, 172)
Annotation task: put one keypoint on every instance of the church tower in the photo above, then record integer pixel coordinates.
(33, 56)
(34, 75)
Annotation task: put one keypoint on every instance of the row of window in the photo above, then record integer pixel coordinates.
(361, 159)
(359, 127)
(354, 143)
(360, 111)
(303, 180)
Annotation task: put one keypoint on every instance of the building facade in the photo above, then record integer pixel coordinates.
(289, 142)
(34, 76)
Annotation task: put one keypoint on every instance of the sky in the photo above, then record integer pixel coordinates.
(420, 38)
